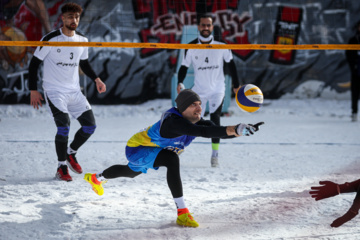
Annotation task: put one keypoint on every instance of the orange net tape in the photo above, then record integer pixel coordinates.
(186, 46)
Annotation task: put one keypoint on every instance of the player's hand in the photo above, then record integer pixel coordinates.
(247, 129)
(180, 87)
(100, 86)
(328, 189)
(350, 214)
(35, 99)
(256, 126)
(243, 129)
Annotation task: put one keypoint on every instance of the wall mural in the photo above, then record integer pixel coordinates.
(136, 75)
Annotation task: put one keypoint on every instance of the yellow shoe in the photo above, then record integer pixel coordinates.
(96, 184)
(185, 219)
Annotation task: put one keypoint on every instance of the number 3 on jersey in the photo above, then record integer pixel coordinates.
(206, 60)
(71, 55)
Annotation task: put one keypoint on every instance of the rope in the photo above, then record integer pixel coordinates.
(185, 46)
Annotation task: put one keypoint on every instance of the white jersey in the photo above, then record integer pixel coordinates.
(208, 68)
(61, 64)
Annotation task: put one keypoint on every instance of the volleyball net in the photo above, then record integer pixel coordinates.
(183, 46)
(276, 45)
(253, 25)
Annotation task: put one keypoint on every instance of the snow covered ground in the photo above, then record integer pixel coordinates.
(260, 190)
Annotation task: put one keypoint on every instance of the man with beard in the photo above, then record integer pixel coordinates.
(209, 80)
(62, 91)
(160, 145)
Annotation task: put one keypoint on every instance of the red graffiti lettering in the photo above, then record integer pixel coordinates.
(146, 36)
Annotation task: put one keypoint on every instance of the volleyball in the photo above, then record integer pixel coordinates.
(249, 98)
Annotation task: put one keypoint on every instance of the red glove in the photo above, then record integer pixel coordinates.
(328, 189)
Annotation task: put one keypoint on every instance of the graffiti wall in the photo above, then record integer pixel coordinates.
(136, 75)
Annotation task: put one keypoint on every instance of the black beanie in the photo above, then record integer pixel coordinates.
(185, 98)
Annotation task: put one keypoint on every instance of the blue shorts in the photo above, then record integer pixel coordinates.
(142, 158)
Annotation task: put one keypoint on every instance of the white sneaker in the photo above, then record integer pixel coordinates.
(214, 161)
(354, 117)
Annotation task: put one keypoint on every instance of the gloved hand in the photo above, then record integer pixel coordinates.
(350, 214)
(247, 129)
(243, 129)
(329, 189)
(256, 126)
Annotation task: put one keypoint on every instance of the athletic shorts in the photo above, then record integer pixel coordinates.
(142, 158)
(214, 100)
(74, 103)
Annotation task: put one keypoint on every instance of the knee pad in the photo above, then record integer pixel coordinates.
(88, 125)
(62, 122)
(88, 130)
(62, 134)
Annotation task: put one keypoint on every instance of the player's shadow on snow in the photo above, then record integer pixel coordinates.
(251, 212)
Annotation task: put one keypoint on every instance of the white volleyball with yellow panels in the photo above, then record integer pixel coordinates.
(249, 98)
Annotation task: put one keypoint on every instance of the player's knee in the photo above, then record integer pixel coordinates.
(167, 158)
(88, 125)
(87, 131)
(62, 120)
(62, 134)
(173, 160)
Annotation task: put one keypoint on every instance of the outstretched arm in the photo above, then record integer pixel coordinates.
(330, 189)
(175, 127)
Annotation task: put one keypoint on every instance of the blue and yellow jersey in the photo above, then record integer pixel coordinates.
(150, 137)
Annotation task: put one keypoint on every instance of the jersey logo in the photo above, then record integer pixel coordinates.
(176, 150)
(58, 50)
(179, 143)
(67, 64)
(209, 67)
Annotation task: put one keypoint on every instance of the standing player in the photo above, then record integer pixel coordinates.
(62, 88)
(160, 145)
(209, 80)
